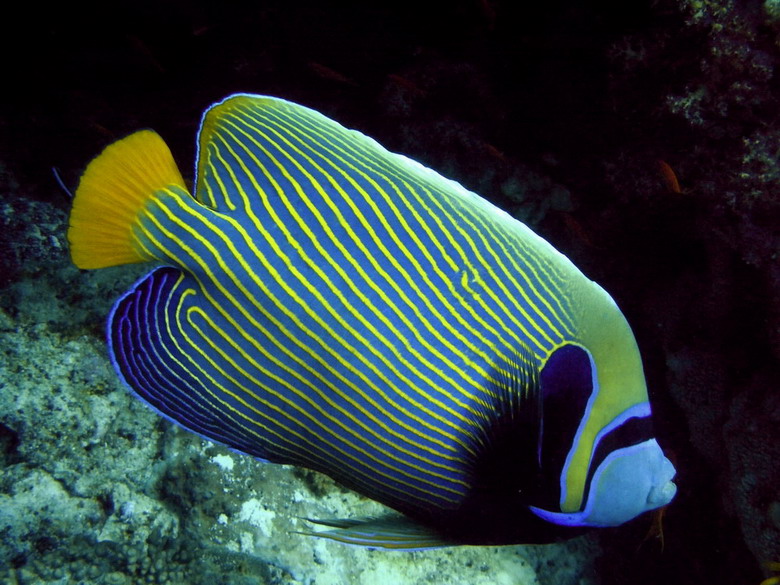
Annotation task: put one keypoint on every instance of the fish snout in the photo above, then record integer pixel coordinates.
(663, 489)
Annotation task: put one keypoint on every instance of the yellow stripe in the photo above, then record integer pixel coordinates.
(215, 365)
(214, 383)
(310, 455)
(367, 224)
(508, 224)
(325, 414)
(477, 383)
(392, 171)
(293, 338)
(314, 291)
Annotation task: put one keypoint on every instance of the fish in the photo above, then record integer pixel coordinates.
(325, 72)
(669, 177)
(322, 302)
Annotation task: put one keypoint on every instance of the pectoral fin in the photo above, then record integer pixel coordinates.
(387, 532)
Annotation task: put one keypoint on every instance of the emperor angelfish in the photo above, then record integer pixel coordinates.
(322, 302)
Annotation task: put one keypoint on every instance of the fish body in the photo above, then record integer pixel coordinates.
(323, 302)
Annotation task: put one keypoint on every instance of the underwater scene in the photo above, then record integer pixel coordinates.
(464, 293)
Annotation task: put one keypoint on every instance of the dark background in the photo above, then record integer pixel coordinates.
(557, 111)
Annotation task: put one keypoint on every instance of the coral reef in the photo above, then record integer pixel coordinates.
(722, 348)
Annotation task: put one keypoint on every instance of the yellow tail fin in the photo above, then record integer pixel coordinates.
(113, 190)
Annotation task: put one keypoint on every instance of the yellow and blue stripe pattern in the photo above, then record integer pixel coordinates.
(326, 303)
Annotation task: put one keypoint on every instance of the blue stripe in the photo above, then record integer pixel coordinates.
(341, 309)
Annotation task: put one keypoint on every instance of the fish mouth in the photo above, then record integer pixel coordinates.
(664, 489)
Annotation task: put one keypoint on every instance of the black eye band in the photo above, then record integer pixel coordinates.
(632, 431)
(567, 386)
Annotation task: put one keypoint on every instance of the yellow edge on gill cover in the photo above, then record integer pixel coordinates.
(605, 332)
(114, 188)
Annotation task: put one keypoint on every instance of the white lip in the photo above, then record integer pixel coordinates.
(661, 495)
(663, 489)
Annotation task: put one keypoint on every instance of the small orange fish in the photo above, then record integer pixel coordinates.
(493, 151)
(200, 30)
(407, 84)
(143, 49)
(103, 131)
(325, 72)
(669, 177)
(579, 232)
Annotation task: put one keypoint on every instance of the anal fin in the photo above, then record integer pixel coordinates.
(387, 532)
(158, 358)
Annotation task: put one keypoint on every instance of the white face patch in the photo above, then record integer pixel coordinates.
(628, 482)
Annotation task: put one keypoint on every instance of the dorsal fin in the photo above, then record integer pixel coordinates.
(216, 179)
